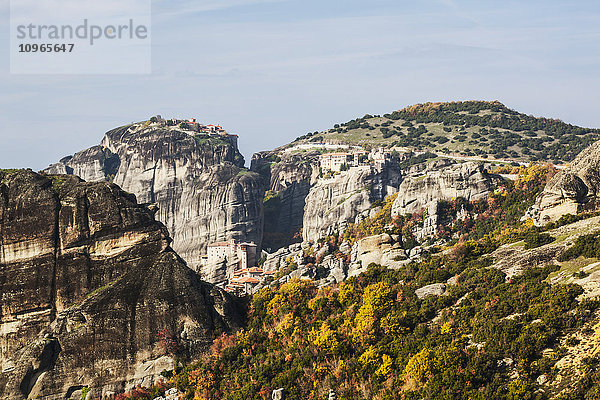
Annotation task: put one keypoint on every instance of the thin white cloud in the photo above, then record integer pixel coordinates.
(68, 10)
(167, 9)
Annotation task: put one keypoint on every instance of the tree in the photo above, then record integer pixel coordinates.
(168, 342)
(420, 366)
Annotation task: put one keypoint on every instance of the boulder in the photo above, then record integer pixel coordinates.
(435, 289)
(572, 190)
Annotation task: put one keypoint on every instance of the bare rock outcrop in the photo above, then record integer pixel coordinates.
(573, 190)
(469, 180)
(290, 178)
(87, 283)
(277, 260)
(334, 203)
(379, 249)
(513, 259)
(434, 289)
(202, 191)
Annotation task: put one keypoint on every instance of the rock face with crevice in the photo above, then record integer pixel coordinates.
(303, 205)
(443, 180)
(290, 177)
(202, 191)
(332, 204)
(87, 284)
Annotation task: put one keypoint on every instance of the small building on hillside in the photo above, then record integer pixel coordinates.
(380, 156)
(335, 161)
(244, 253)
(245, 281)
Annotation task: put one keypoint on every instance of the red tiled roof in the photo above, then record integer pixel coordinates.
(249, 280)
(219, 244)
(255, 269)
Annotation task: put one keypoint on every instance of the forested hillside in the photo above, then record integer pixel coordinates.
(469, 128)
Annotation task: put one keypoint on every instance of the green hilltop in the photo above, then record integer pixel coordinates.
(465, 128)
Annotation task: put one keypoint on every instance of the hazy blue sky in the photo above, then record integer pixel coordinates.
(273, 70)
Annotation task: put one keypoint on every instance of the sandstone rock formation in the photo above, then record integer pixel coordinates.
(442, 182)
(87, 283)
(571, 191)
(379, 249)
(434, 289)
(345, 198)
(277, 260)
(198, 182)
(513, 259)
(290, 178)
(302, 201)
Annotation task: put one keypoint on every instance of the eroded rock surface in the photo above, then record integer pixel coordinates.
(572, 190)
(447, 181)
(290, 178)
(202, 191)
(435, 289)
(334, 203)
(87, 282)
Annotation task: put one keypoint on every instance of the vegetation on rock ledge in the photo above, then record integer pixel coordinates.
(371, 337)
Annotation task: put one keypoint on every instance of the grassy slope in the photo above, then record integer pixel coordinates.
(467, 128)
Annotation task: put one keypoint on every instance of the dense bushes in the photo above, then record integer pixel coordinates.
(420, 159)
(371, 337)
(586, 245)
(535, 239)
(500, 116)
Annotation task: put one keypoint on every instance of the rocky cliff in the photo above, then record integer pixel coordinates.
(198, 181)
(442, 180)
(290, 178)
(571, 191)
(345, 198)
(91, 293)
(300, 200)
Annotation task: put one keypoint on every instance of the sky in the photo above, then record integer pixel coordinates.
(273, 70)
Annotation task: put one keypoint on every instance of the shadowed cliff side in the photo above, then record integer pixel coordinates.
(89, 286)
(290, 178)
